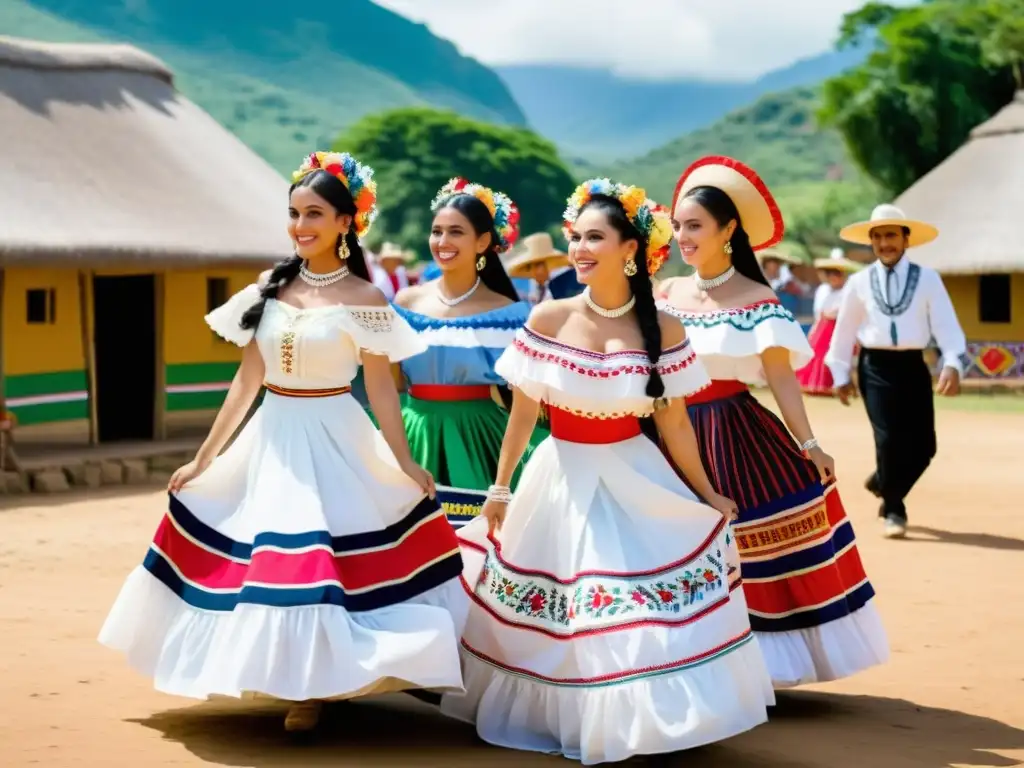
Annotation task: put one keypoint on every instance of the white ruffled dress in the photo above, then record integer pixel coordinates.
(303, 564)
(606, 619)
(811, 602)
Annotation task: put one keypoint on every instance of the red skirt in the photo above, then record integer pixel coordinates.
(815, 378)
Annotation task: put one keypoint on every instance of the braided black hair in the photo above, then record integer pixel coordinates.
(334, 192)
(723, 210)
(640, 284)
(493, 275)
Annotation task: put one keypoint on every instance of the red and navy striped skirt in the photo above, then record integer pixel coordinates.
(798, 554)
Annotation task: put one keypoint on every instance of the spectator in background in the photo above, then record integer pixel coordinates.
(776, 268)
(389, 272)
(536, 259)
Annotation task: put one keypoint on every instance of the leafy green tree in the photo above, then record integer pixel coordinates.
(415, 151)
(813, 224)
(937, 71)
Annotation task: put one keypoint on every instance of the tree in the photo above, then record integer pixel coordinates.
(937, 71)
(813, 224)
(415, 151)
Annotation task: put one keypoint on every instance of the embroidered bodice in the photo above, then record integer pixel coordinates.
(730, 341)
(462, 350)
(594, 384)
(318, 347)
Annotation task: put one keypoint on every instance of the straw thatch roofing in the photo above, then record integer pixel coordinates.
(103, 162)
(975, 198)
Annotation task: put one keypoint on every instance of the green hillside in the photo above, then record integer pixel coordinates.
(777, 135)
(279, 79)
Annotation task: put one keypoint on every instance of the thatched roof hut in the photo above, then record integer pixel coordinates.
(126, 214)
(103, 161)
(975, 198)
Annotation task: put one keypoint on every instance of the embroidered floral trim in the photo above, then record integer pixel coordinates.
(741, 318)
(532, 352)
(375, 320)
(591, 602)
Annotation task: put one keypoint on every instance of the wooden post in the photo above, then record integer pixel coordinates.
(85, 301)
(160, 381)
(8, 457)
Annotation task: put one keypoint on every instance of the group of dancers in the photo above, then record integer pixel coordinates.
(636, 553)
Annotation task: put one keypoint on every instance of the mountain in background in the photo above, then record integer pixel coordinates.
(597, 116)
(284, 78)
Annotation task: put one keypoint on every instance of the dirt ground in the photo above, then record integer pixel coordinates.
(952, 597)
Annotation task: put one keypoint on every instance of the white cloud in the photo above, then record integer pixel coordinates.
(652, 39)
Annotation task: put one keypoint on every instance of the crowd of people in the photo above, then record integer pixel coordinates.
(568, 521)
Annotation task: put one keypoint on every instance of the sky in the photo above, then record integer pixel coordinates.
(654, 39)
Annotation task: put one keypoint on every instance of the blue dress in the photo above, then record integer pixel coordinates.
(454, 412)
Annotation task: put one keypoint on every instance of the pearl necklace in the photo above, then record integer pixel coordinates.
(714, 282)
(322, 279)
(458, 299)
(617, 312)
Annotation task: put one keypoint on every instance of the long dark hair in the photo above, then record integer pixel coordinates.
(334, 192)
(640, 284)
(723, 210)
(493, 275)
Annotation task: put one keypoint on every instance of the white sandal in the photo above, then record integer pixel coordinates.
(303, 716)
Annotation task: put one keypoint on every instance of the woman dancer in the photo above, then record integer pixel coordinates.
(606, 621)
(810, 600)
(454, 414)
(310, 560)
(815, 378)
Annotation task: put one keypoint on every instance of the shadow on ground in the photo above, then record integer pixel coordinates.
(807, 730)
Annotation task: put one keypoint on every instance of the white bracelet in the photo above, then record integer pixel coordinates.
(500, 493)
(808, 445)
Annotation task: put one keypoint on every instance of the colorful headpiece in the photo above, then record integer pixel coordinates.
(502, 209)
(356, 177)
(651, 220)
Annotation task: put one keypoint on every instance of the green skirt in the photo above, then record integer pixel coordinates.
(459, 443)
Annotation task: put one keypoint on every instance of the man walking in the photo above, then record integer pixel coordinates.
(893, 309)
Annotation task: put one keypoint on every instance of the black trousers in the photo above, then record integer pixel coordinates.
(897, 390)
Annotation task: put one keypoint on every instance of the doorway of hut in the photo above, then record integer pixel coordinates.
(124, 342)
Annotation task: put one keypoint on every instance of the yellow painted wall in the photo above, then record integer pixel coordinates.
(187, 337)
(963, 291)
(31, 348)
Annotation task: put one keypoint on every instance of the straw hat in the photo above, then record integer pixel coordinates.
(759, 213)
(770, 253)
(536, 248)
(394, 251)
(886, 215)
(837, 260)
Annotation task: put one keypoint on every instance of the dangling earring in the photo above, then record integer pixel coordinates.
(629, 268)
(343, 249)
(481, 263)
(728, 249)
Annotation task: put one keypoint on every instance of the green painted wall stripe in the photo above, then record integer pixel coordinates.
(53, 383)
(199, 373)
(48, 412)
(195, 401)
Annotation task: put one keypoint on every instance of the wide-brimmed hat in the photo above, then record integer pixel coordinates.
(394, 251)
(837, 260)
(535, 249)
(768, 254)
(887, 215)
(759, 213)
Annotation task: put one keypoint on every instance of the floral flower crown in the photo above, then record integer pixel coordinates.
(651, 220)
(357, 178)
(502, 209)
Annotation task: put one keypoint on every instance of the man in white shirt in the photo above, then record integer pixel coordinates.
(893, 309)
(389, 273)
